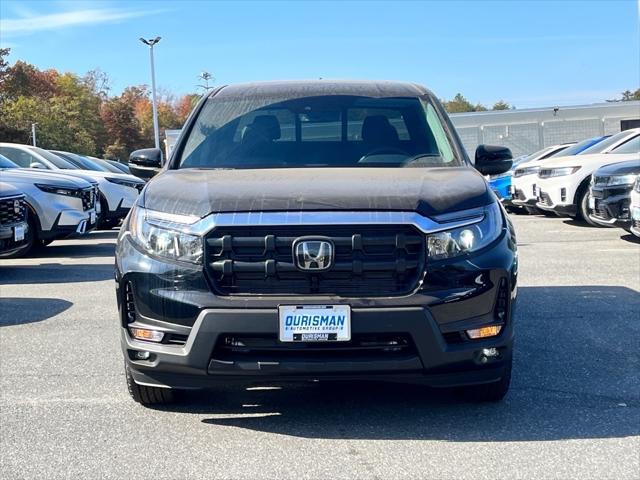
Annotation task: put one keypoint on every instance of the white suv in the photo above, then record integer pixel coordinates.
(524, 177)
(563, 182)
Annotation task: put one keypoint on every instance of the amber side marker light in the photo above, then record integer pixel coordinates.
(148, 335)
(484, 332)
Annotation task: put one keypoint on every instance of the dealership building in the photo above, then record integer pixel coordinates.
(525, 131)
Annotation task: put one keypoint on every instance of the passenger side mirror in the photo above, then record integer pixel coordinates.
(493, 160)
(145, 163)
(37, 165)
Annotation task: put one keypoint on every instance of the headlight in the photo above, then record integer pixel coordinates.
(622, 180)
(521, 172)
(56, 190)
(162, 237)
(467, 239)
(125, 183)
(557, 172)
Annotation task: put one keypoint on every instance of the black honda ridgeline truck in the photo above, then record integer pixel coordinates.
(317, 231)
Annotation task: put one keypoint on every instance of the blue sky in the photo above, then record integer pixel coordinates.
(537, 53)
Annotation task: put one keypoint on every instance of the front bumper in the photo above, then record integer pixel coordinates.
(611, 206)
(8, 244)
(557, 194)
(70, 223)
(461, 294)
(120, 199)
(523, 191)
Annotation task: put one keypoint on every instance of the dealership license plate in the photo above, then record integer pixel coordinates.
(18, 233)
(314, 323)
(592, 203)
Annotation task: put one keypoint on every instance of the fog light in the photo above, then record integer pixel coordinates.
(142, 355)
(148, 335)
(484, 332)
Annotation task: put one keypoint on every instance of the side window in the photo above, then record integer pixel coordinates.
(356, 116)
(630, 146)
(22, 159)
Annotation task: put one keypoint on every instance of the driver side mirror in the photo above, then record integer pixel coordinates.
(493, 160)
(145, 163)
(37, 165)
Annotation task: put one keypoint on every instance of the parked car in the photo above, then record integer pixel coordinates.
(563, 182)
(118, 192)
(526, 168)
(13, 220)
(581, 147)
(635, 208)
(59, 206)
(259, 254)
(610, 194)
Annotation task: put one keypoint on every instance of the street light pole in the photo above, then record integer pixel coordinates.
(33, 133)
(156, 131)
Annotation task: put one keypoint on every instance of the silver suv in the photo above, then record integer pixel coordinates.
(59, 206)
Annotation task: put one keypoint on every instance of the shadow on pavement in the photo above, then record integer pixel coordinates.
(54, 273)
(18, 311)
(75, 250)
(576, 376)
(629, 237)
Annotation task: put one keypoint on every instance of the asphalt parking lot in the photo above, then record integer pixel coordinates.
(573, 410)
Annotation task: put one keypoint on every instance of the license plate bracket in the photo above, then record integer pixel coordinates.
(18, 233)
(314, 323)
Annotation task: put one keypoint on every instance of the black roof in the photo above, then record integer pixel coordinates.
(304, 88)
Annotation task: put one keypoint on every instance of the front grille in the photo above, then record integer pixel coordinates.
(88, 198)
(12, 210)
(265, 347)
(370, 260)
(545, 199)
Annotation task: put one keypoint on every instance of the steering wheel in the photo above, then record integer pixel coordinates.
(381, 151)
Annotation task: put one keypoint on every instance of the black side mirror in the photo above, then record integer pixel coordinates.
(145, 163)
(493, 160)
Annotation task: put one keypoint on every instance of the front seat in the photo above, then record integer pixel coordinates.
(263, 130)
(378, 131)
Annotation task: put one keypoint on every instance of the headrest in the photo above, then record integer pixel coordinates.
(263, 127)
(377, 129)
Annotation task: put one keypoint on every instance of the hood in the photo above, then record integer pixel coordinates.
(7, 190)
(100, 175)
(49, 177)
(428, 191)
(594, 160)
(77, 174)
(630, 167)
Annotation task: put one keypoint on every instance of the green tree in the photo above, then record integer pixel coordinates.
(501, 105)
(460, 104)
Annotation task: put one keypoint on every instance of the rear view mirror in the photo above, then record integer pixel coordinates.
(145, 163)
(493, 160)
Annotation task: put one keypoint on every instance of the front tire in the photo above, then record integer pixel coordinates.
(490, 392)
(583, 208)
(145, 395)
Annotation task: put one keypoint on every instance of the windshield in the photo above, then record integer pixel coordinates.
(320, 131)
(6, 163)
(630, 146)
(56, 160)
(605, 144)
(105, 165)
(81, 162)
(578, 147)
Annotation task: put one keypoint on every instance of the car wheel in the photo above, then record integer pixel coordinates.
(583, 208)
(490, 392)
(146, 395)
(533, 211)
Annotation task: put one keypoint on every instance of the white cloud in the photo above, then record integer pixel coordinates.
(55, 21)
